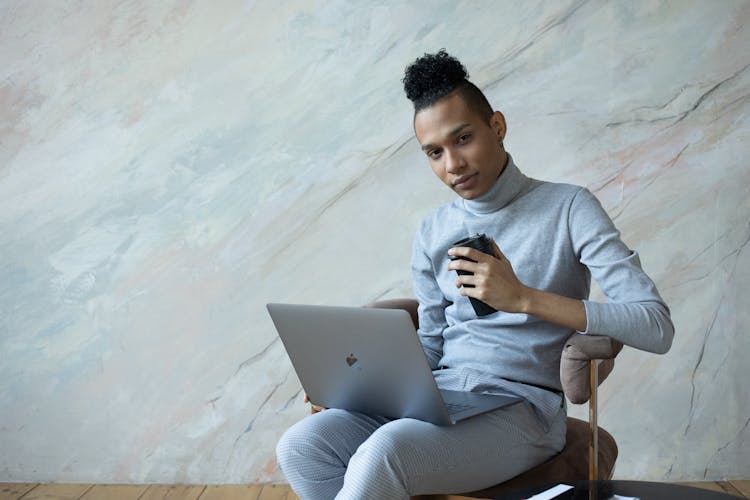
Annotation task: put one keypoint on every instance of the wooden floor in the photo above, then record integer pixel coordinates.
(144, 492)
(32, 491)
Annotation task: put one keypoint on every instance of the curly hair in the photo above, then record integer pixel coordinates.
(434, 76)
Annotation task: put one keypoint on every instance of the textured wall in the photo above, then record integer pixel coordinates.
(167, 168)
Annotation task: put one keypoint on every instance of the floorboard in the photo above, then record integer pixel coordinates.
(232, 492)
(172, 492)
(57, 492)
(13, 491)
(277, 492)
(115, 492)
(743, 487)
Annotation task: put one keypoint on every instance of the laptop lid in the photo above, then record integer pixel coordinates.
(368, 360)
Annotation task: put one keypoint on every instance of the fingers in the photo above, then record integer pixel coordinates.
(315, 408)
(474, 254)
(462, 265)
(461, 283)
(478, 292)
(474, 273)
(471, 253)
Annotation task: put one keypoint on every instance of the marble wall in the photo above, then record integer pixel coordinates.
(167, 168)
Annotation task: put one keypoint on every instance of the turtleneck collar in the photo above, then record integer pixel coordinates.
(506, 188)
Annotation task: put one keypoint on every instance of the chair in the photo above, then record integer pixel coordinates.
(590, 451)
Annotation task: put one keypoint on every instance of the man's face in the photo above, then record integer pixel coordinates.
(465, 152)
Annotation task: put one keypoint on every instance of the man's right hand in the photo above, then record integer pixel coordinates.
(315, 408)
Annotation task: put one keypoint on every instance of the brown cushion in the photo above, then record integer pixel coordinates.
(574, 364)
(571, 464)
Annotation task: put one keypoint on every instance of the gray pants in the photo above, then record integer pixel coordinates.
(346, 455)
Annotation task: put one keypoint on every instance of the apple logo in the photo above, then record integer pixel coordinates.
(353, 362)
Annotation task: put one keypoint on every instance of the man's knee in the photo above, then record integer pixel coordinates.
(387, 448)
(289, 446)
(297, 442)
(320, 437)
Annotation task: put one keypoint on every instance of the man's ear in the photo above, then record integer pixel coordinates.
(497, 122)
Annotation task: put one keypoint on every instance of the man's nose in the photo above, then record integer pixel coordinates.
(453, 162)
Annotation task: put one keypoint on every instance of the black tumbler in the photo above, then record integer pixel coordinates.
(483, 244)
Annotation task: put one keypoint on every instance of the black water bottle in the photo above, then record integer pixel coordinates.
(483, 244)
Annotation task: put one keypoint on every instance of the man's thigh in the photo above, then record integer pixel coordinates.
(473, 454)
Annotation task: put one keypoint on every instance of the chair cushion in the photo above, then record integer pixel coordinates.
(574, 364)
(571, 464)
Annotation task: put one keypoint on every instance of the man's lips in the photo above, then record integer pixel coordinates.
(463, 179)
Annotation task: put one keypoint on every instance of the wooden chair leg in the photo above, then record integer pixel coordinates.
(593, 425)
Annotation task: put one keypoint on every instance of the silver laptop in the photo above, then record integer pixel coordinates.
(370, 360)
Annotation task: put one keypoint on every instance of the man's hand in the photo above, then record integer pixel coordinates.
(494, 281)
(315, 408)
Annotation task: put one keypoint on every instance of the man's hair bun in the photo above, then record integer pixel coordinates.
(432, 77)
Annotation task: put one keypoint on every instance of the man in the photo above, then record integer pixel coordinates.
(548, 240)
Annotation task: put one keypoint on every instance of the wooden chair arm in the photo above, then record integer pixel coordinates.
(586, 361)
(578, 352)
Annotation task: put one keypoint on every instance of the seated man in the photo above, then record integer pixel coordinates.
(548, 240)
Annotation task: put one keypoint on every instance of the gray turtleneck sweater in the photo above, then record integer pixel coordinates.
(556, 236)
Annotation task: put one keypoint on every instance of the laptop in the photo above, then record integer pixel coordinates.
(370, 360)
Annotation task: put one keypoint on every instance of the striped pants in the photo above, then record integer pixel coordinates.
(347, 455)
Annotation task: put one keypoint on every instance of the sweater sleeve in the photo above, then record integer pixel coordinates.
(432, 303)
(635, 314)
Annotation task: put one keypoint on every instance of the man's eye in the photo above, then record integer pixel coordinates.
(434, 154)
(464, 138)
